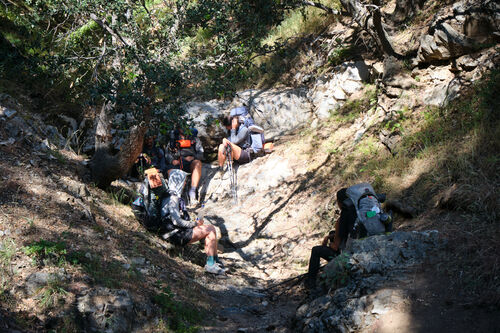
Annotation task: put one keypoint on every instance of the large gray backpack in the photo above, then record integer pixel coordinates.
(370, 215)
(257, 139)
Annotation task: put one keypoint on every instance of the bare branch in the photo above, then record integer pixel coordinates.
(320, 6)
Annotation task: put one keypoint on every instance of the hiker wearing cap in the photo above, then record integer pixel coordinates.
(185, 152)
(181, 230)
(239, 140)
(330, 246)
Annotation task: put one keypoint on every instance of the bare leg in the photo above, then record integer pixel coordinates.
(235, 151)
(208, 233)
(195, 173)
(221, 156)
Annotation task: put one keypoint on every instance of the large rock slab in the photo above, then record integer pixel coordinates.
(362, 280)
(471, 26)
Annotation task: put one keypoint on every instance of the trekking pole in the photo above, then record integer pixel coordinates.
(232, 175)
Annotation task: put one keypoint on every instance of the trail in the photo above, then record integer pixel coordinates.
(245, 303)
(257, 252)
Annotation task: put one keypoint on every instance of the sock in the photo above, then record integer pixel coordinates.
(210, 260)
(192, 190)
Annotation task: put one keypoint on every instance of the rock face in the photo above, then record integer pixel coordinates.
(106, 310)
(330, 92)
(362, 279)
(471, 25)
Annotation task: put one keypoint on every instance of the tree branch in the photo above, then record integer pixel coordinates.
(110, 30)
(320, 6)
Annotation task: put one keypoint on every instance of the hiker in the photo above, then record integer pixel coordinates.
(185, 152)
(330, 247)
(239, 141)
(361, 215)
(180, 230)
(151, 155)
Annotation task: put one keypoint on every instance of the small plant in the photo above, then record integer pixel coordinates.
(46, 252)
(338, 276)
(179, 315)
(7, 252)
(58, 156)
(53, 293)
(340, 55)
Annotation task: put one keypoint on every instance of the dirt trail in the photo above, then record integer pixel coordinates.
(246, 305)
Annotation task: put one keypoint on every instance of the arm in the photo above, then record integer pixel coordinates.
(175, 215)
(239, 137)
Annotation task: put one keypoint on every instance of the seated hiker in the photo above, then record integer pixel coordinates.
(239, 140)
(151, 155)
(180, 230)
(371, 221)
(329, 251)
(185, 152)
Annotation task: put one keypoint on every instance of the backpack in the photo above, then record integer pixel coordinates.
(151, 206)
(371, 219)
(257, 139)
(244, 116)
(153, 197)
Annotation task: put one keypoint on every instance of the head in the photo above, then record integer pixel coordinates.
(148, 141)
(341, 196)
(226, 121)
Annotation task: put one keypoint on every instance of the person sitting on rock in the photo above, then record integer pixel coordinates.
(239, 141)
(181, 230)
(151, 155)
(343, 227)
(185, 152)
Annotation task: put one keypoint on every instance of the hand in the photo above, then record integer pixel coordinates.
(189, 158)
(225, 142)
(234, 123)
(175, 162)
(199, 222)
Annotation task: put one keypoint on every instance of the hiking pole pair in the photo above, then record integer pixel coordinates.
(232, 175)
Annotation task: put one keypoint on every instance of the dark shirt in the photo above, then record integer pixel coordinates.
(346, 221)
(157, 157)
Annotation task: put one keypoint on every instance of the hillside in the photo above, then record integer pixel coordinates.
(421, 126)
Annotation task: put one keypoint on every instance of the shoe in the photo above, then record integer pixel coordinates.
(220, 263)
(214, 269)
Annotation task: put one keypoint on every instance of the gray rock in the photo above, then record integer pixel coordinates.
(107, 310)
(375, 262)
(7, 113)
(8, 142)
(441, 94)
(138, 261)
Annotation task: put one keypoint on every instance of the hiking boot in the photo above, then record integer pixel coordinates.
(214, 269)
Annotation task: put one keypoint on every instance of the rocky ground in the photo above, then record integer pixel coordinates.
(73, 257)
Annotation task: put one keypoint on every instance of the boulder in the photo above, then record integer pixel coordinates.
(361, 281)
(472, 26)
(106, 310)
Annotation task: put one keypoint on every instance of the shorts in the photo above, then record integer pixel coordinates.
(244, 157)
(181, 237)
(186, 166)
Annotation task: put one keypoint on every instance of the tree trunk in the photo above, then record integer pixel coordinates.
(369, 18)
(107, 166)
